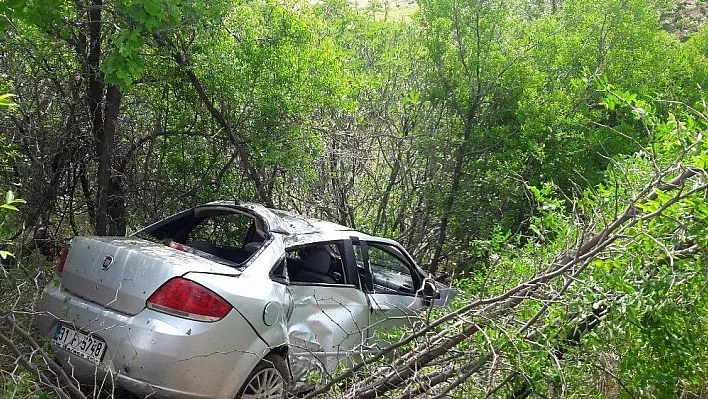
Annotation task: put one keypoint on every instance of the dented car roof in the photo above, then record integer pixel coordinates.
(297, 228)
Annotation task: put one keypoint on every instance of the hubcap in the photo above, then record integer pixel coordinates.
(265, 384)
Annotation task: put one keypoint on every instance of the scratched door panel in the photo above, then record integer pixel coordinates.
(328, 326)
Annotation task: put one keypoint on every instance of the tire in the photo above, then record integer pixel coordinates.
(268, 380)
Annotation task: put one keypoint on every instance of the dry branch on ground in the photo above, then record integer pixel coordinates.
(472, 355)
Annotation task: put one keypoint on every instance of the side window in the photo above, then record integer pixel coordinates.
(319, 263)
(389, 271)
(280, 272)
(361, 268)
(358, 256)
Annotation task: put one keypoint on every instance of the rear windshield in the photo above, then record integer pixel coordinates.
(220, 234)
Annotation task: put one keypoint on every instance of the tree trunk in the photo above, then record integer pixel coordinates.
(449, 203)
(381, 224)
(94, 101)
(104, 107)
(115, 200)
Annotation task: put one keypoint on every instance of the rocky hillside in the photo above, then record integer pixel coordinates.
(686, 17)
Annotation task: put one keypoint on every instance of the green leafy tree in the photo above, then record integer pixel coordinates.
(10, 203)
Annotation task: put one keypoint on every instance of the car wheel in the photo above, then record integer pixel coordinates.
(267, 380)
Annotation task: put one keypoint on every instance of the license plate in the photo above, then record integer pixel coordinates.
(87, 346)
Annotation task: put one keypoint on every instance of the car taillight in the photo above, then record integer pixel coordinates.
(185, 298)
(62, 258)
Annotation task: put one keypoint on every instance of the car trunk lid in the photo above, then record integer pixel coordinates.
(121, 273)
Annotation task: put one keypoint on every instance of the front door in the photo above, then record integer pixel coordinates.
(394, 286)
(330, 312)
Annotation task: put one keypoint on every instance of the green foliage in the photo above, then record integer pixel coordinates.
(6, 100)
(147, 20)
(10, 202)
(652, 279)
(9, 205)
(8, 152)
(658, 326)
(41, 13)
(22, 386)
(651, 340)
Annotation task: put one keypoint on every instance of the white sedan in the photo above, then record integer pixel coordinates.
(227, 300)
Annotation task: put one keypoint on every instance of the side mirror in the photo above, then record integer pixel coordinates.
(430, 290)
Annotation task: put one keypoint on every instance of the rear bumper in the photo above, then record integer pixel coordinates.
(88, 373)
(152, 353)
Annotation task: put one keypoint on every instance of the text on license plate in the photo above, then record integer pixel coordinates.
(87, 346)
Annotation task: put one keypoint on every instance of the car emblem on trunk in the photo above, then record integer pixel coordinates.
(107, 262)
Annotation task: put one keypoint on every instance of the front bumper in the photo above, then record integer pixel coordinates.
(152, 353)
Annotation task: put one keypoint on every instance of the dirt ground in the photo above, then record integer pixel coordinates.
(683, 19)
(686, 17)
(394, 5)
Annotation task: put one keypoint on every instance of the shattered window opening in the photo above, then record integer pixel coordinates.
(319, 263)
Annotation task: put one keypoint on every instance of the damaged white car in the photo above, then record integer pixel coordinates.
(227, 300)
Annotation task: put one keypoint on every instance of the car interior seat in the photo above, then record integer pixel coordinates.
(316, 262)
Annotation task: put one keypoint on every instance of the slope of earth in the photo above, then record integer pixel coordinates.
(686, 17)
(683, 19)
